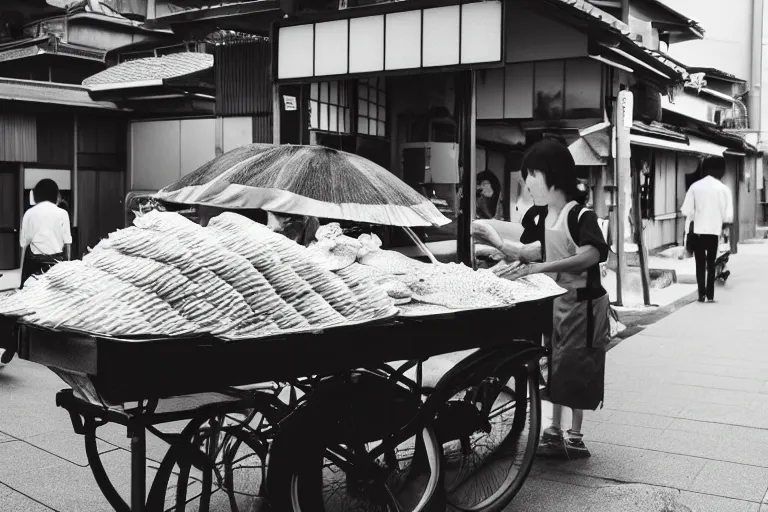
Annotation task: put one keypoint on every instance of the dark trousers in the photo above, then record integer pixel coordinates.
(706, 254)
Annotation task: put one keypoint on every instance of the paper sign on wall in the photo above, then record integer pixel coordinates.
(626, 104)
(290, 103)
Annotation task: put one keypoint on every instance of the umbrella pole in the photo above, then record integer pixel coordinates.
(421, 245)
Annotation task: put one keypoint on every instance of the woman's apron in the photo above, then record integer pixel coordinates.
(580, 327)
(37, 264)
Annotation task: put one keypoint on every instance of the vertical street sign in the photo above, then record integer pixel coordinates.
(623, 124)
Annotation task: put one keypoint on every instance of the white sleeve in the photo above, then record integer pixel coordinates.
(66, 232)
(23, 242)
(688, 205)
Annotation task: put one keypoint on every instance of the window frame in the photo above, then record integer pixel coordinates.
(371, 86)
(330, 103)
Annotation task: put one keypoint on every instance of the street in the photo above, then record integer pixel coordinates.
(683, 427)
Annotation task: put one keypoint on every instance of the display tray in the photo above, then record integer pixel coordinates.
(129, 369)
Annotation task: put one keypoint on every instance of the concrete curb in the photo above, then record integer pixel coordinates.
(636, 321)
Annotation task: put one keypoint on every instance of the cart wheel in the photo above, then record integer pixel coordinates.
(323, 460)
(221, 469)
(488, 430)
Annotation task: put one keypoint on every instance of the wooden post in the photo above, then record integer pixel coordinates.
(276, 111)
(637, 218)
(75, 195)
(625, 11)
(466, 89)
(623, 124)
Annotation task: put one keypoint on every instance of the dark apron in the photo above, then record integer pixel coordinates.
(37, 264)
(580, 329)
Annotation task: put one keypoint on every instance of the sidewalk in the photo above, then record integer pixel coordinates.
(685, 422)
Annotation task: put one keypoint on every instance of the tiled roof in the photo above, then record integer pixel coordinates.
(152, 68)
(659, 131)
(599, 14)
(48, 92)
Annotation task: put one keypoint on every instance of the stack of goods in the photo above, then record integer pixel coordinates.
(420, 288)
(167, 276)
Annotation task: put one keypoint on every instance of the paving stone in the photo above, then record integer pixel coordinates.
(717, 413)
(17, 457)
(708, 503)
(662, 406)
(732, 432)
(718, 381)
(732, 481)
(726, 397)
(734, 448)
(633, 465)
(640, 420)
(11, 500)
(538, 495)
(66, 445)
(624, 435)
(696, 444)
(72, 488)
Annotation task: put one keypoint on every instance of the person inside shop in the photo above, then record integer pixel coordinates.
(563, 239)
(299, 228)
(488, 202)
(708, 209)
(45, 233)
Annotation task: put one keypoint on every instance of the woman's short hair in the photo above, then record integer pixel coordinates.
(46, 190)
(554, 160)
(713, 166)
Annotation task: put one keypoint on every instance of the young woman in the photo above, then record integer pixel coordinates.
(45, 234)
(565, 242)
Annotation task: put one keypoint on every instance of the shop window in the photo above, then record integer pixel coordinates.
(329, 107)
(372, 107)
(567, 89)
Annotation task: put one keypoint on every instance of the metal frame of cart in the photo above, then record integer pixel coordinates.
(203, 369)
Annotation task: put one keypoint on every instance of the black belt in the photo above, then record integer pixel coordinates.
(47, 259)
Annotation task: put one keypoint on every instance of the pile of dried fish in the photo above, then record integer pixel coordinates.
(431, 288)
(167, 276)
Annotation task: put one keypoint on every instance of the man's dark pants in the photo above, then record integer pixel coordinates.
(706, 254)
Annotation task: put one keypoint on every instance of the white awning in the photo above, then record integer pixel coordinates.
(583, 154)
(705, 147)
(696, 145)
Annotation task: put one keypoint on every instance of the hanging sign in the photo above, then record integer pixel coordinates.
(626, 106)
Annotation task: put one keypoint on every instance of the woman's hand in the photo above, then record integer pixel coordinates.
(523, 270)
(485, 233)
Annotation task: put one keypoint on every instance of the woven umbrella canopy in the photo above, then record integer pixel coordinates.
(304, 180)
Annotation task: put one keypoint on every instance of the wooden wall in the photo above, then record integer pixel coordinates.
(18, 141)
(9, 216)
(100, 201)
(100, 194)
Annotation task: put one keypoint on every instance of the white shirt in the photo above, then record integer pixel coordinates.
(45, 229)
(710, 205)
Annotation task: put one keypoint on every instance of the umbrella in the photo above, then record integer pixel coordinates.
(305, 180)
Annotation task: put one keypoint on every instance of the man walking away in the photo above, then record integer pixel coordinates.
(710, 205)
